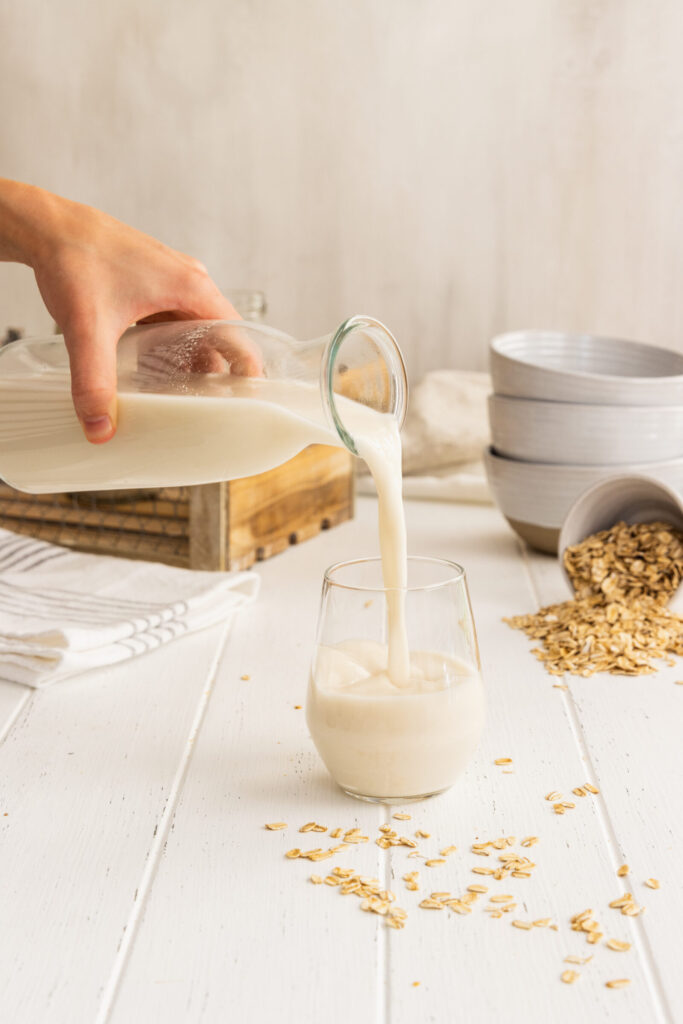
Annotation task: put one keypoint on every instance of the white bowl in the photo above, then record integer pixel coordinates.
(552, 366)
(589, 435)
(535, 497)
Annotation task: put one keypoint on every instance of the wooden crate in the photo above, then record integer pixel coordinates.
(227, 525)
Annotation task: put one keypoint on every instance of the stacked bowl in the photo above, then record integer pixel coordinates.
(571, 410)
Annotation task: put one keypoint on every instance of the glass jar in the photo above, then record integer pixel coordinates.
(198, 401)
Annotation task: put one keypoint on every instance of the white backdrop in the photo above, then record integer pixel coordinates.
(453, 167)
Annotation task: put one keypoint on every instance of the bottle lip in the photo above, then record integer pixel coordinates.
(392, 356)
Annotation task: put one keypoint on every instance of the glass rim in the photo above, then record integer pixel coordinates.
(457, 576)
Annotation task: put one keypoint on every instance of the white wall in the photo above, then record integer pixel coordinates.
(454, 167)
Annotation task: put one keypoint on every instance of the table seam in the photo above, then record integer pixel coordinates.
(609, 832)
(134, 919)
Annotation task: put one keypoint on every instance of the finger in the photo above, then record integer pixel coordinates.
(92, 357)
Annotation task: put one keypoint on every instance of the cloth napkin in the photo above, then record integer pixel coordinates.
(444, 436)
(63, 612)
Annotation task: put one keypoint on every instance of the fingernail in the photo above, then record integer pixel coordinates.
(99, 428)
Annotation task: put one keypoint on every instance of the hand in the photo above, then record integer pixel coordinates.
(97, 276)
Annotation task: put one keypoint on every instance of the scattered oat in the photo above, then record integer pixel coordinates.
(569, 977)
(481, 871)
(316, 879)
(421, 834)
(560, 686)
(618, 946)
(623, 870)
(578, 959)
(415, 984)
(297, 707)
(579, 791)
(336, 834)
(553, 795)
(526, 925)
(503, 760)
(431, 904)
(478, 888)
(591, 788)
(401, 816)
(500, 898)
(434, 862)
(367, 604)
(448, 850)
(678, 682)
(652, 883)
(541, 922)
(618, 983)
(245, 677)
(275, 826)
(293, 854)
(529, 841)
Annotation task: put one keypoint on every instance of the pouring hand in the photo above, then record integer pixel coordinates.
(97, 276)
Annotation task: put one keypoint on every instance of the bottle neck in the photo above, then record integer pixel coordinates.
(362, 361)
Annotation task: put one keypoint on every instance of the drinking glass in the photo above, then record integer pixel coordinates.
(387, 743)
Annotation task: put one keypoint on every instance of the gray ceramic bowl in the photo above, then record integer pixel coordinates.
(588, 435)
(535, 497)
(584, 368)
(628, 499)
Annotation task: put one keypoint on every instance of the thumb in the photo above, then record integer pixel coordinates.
(92, 357)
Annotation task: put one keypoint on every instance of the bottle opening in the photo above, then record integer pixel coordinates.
(363, 362)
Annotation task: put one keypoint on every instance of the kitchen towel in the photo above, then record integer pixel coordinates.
(444, 436)
(63, 612)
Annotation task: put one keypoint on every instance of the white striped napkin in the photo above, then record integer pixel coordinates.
(63, 612)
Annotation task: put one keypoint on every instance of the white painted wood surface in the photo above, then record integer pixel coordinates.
(453, 173)
(139, 885)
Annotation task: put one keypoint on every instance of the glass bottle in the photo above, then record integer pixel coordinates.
(198, 401)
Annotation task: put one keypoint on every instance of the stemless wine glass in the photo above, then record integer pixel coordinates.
(380, 741)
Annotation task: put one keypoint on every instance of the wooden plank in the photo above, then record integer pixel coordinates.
(171, 550)
(631, 734)
(88, 779)
(159, 504)
(99, 518)
(248, 913)
(209, 511)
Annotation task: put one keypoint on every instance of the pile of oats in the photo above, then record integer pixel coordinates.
(617, 621)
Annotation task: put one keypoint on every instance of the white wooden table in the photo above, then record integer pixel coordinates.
(139, 884)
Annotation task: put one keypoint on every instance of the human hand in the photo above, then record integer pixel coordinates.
(97, 276)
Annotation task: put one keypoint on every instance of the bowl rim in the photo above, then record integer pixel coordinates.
(497, 344)
(605, 407)
(610, 468)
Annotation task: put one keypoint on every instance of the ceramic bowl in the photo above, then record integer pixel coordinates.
(588, 435)
(535, 497)
(628, 499)
(558, 367)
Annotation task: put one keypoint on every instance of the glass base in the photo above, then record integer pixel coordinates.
(392, 800)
